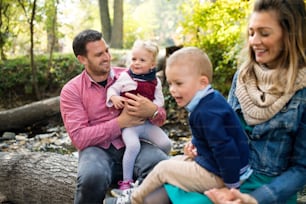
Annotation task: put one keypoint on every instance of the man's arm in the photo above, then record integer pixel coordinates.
(77, 123)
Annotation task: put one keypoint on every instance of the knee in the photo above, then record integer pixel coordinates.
(133, 148)
(167, 147)
(151, 154)
(162, 166)
(94, 179)
(94, 174)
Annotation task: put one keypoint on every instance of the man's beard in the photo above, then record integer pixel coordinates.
(100, 69)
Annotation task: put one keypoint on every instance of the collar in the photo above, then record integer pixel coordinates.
(90, 81)
(146, 77)
(197, 97)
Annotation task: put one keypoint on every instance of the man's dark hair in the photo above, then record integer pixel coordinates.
(80, 41)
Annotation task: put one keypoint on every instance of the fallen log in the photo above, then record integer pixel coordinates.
(47, 178)
(37, 177)
(21, 117)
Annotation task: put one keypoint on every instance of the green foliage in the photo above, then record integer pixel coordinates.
(15, 76)
(217, 28)
(64, 67)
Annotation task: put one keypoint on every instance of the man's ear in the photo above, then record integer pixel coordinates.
(82, 59)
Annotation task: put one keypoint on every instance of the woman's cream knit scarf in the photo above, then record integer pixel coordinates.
(262, 96)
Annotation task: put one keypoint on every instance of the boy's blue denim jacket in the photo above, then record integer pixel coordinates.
(278, 148)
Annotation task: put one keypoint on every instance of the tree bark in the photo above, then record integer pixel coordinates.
(21, 117)
(117, 30)
(33, 65)
(4, 27)
(105, 20)
(37, 177)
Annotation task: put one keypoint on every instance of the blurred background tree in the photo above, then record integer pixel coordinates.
(215, 26)
(219, 28)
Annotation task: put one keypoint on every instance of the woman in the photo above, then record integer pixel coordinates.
(269, 95)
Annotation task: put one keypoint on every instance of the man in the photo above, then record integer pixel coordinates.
(95, 129)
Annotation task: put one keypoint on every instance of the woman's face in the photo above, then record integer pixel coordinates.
(265, 37)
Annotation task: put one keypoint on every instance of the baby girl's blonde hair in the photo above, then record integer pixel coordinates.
(149, 46)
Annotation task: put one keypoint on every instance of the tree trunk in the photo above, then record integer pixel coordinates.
(36, 177)
(105, 20)
(21, 117)
(52, 28)
(33, 65)
(4, 27)
(117, 31)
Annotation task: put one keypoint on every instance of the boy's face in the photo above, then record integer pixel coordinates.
(184, 82)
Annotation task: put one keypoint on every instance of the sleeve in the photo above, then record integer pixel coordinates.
(124, 83)
(231, 96)
(293, 179)
(223, 147)
(160, 119)
(76, 122)
(158, 95)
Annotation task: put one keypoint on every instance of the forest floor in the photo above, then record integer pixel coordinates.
(56, 138)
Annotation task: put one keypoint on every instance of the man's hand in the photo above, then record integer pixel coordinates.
(127, 120)
(232, 196)
(137, 105)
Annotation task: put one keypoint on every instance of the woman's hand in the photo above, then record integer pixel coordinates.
(229, 196)
(190, 150)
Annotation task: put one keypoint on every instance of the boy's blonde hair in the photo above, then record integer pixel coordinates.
(149, 46)
(195, 58)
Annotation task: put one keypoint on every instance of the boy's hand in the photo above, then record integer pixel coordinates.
(190, 150)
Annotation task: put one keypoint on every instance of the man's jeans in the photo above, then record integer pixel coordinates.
(99, 168)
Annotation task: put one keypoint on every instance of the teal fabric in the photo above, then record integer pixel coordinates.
(179, 196)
